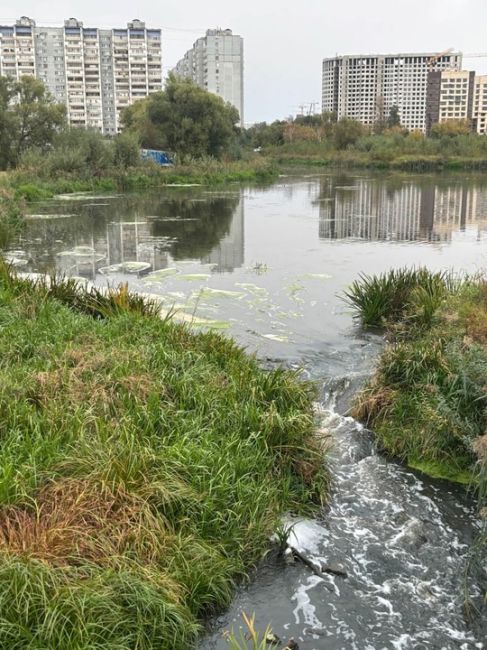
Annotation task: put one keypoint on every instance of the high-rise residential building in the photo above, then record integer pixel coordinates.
(364, 87)
(94, 72)
(479, 116)
(457, 95)
(450, 96)
(215, 63)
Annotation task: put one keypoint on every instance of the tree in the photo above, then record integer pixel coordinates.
(127, 150)
(346, 132)
(393, 118)
(450, 128)
(265, 135)
(183, 119)
(28, 118)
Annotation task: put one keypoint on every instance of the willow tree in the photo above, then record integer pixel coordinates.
(183, 119)
(29, 118)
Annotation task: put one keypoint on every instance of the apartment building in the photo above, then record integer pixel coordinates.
(450, 96)
(364, 87)
(215, 63)
(94, 72)
(457, 95)
(479, 115)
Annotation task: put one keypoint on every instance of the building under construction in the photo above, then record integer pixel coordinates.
(364, 87)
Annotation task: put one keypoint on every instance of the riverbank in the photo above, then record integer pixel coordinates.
(35, 184)
(426, 402)
(375, 152)
(144, 467)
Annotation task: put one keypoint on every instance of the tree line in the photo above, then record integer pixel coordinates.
(183, 119)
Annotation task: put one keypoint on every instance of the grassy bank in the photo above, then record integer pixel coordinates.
(426, 402)
(400, 153)
(142, 469)
(38, 184)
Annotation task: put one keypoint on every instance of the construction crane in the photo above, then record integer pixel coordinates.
(437, 57)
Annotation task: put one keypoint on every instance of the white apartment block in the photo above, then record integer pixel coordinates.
(215, 63)
(364, 87)
(94, 72)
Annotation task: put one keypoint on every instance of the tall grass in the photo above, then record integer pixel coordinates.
(426, 401)
(11, 218)
(142, 469)
(41, 182)
(399, 294)
(398, 151)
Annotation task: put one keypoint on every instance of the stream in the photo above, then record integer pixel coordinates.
(268, 266)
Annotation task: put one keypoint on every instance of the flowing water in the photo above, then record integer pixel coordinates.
(268, 267)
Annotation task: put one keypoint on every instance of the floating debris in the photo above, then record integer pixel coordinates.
(195, 277)
(316, 276)
(276, 337)
(208, 292)
(261, 292)
(17, 262)
(78, 251)
(126, 267)
(161, 274)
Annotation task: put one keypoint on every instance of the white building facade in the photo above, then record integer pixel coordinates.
(365, 87)
(215, 63)
(94, 72)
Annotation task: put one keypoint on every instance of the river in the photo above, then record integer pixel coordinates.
(268, 266)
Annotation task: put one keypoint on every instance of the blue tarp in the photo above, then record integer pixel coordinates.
(159, 157)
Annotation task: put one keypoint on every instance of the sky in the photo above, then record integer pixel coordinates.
(284, 41)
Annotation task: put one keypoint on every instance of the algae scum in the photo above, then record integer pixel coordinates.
(267, 266)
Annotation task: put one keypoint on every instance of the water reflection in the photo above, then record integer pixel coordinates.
(400, 210)
(153, 230)
(269, 264)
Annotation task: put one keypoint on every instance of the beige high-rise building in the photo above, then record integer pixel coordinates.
(479, 117)
(215, 63)
(94, 72)
(457, 95)
(364, 87)
(450, 96)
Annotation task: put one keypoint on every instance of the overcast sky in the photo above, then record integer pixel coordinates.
(285, 40)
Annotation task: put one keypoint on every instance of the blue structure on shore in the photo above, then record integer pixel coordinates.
(159, 157)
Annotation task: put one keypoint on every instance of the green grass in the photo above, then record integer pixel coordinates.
(400, 152)
(411, 295)
(427, 401)
(143, 468)
(41, 185)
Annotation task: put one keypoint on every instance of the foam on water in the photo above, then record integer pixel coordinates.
(391, 549)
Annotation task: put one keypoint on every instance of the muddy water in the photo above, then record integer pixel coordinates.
(268, 266)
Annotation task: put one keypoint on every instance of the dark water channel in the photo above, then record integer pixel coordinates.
(268, 266)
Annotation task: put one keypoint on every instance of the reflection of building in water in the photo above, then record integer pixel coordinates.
(381, 212)
(122, 241)
(228, 254)
(132, 241)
